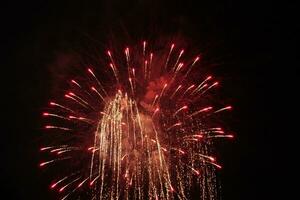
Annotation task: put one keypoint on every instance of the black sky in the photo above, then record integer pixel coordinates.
(244, 36)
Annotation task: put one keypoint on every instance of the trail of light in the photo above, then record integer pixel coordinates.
(154, 101)
(212, 159)
(162, 93)
(82, 182)
(150, 65)
(178, 58)
(64, 187)
(74, 95)
(46, 163)
(64, 151)
(95, 90)
(58, 149)
(144, 48)
(54, 115)
(54, 160)
(195, 171)
(45, 148)
(223, 109)
(145, 69)
(131, 86)
(200, 111)
(167, 60)
(213, 85)
(199, 87)
(180, 86)
(174, 125)
(114, 71)
(180, 109)
(93, 181)
(61, 106)
(70, 97)
(82, 119)
(188, 89)
(156, 111)
(220, 136)
(61, 180)
(76, 83)
(191, 66)
(98, 82)
(198, 90)
(179, 67)
(196, 136)
(127, 59)
(57, 127)
(215, 164)
(113, 66)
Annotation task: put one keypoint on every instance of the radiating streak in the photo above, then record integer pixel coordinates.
(83, 119)
(145, 69)
(156, 111)
(191, 66)
(70, 97)
(61, 180)
(93, 181)
(46, 163)
(100, 85)
(200, 111)
(162, 92)
(154, 101)
(61, 106)
(188, 89)
(114, 71)
(45, 148)
(64, 151)
(195, 171)
(179, 67)
(131, 86)
(64, 187)
(213, 85)
(95, 90)
(180, 109)
(74, 95)
(167, 60)
(205, 156)
(180, 86)
(82, 182)
(150, 65)
(174, 125)
(199, 87)
(54, 160)
(127, 59)
(178, 58)
(76, 83)
(223, 109)
(144, 48)
(58, 149)
(113, 66)
(215, 164)
(57, 127)
(55, 115)
(220, 136)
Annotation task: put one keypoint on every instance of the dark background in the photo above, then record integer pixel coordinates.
(246, 37)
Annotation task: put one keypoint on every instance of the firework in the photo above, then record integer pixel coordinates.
(143, 132)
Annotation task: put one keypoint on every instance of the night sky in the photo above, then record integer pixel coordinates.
(243, 38)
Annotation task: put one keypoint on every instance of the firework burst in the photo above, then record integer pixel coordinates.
(138, 131)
